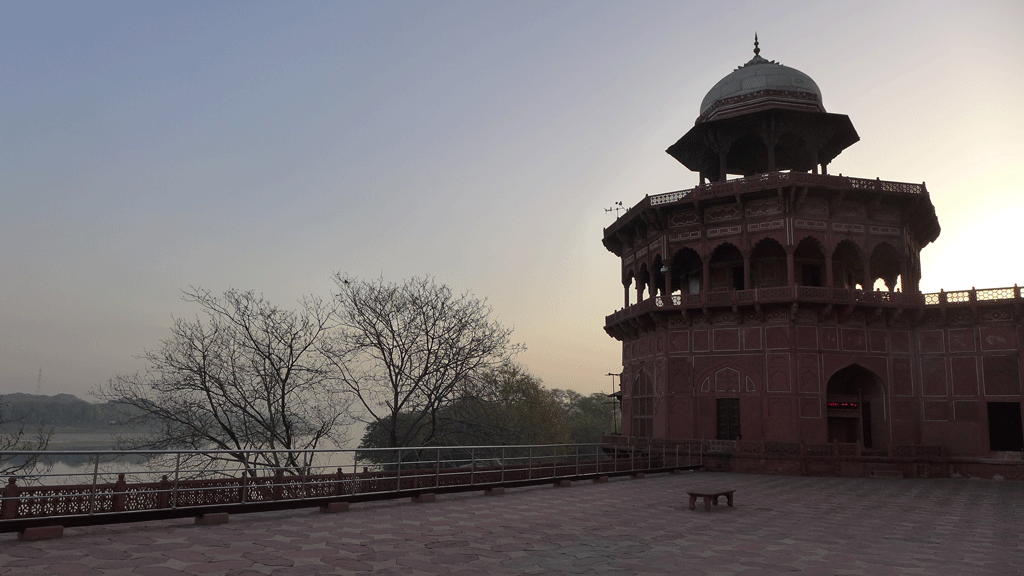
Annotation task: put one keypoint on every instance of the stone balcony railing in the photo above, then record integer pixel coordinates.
(814, 294)
(776, 179)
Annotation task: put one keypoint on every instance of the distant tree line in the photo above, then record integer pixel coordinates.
(63, 410)
(503, 406)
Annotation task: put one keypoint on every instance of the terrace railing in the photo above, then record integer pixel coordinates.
(109, 490)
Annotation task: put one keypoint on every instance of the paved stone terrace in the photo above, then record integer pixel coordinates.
(819, 526)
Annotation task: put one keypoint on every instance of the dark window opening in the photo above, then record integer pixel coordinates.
(737, 277)
(1005, 432)
(811, 275)
(728, 418)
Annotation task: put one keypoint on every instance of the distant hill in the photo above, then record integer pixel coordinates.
(64, 410)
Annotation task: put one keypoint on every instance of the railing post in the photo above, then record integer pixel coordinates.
(502, 464)
(472, 466)
(339, 486)
(9, 507)
(95, 476)
(177, 475)
(120, 493)
(398, 478)
(278, 489)
(529, 463)
(163, 497)
(437, 470)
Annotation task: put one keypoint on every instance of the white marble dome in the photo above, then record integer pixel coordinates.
(759, 74)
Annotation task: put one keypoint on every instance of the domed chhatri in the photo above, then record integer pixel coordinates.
(763, 117)
(759, 75)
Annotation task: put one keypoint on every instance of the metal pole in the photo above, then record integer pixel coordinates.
(472, 466)
(95, 474)
(502, 464)
(245, 459)
(437, 470)
(398, 479)
(174, 490)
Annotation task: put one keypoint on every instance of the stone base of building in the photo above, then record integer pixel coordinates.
(883, 468)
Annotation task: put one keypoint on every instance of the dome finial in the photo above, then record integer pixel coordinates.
(757, 51)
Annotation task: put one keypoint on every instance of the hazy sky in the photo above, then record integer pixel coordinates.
(146, 147)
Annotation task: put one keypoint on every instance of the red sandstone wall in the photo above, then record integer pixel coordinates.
(936, 379)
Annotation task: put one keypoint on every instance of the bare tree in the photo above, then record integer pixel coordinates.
(406, 349)
(15, 438)
(243, 375)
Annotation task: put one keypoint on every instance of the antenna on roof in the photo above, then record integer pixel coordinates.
(616, 208)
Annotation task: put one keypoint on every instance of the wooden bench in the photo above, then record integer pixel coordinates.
(710, 498)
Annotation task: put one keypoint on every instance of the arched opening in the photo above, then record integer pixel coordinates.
(726, 268)
(748, 155)
(627, 282)
(768, 264)
(659, 278)
(847, 266)
(809, 260)
(885, 266)
(791, 153)
(686, 272)
(855, 402)
(642, 407)
(643, 283)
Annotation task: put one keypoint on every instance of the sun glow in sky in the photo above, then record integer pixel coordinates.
(147, 147)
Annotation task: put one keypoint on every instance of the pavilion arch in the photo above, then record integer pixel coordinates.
(627, 281)
(686, 271)
(811, 268)
(658, 285)
(726, 268)
(855, 402)
(885, 264)
(848, 266)
(768, 264)
(747, 155)
(643, 283)
(790, 150)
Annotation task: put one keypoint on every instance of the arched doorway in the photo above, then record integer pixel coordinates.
(855, 402)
